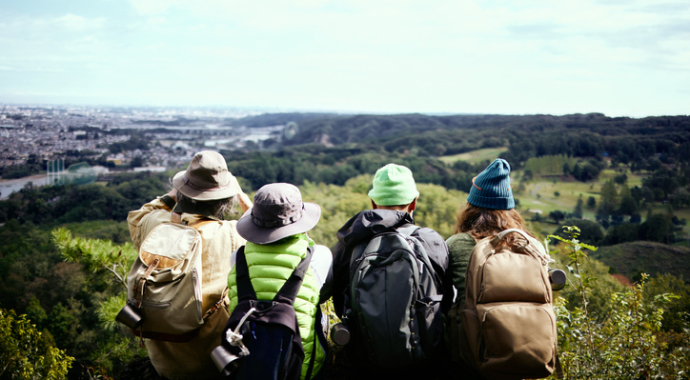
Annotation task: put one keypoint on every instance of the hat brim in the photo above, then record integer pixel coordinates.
(262, 235)
(230, 190)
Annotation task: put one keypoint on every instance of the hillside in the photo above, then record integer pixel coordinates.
(630, 259)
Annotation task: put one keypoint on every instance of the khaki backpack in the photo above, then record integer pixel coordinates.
(507, 326)
(164, 284)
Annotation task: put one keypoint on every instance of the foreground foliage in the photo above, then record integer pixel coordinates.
(624, 343)
(25, 353)
(102, 258)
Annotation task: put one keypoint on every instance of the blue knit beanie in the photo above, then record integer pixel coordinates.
(491, 188)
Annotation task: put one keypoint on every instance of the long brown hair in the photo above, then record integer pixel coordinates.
(481, 222)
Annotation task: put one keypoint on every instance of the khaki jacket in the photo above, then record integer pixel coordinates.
(192, 360)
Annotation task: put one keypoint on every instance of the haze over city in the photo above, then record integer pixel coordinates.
(621, 58)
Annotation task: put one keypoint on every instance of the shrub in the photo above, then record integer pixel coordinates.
(625, 343)
(25, 353)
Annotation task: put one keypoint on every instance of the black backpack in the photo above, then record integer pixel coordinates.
(269, 329)
(394, 300)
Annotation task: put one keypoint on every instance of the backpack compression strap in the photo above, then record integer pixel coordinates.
(286, 294)
(407, 231)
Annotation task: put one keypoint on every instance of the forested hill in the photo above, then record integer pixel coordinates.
(530, 135)
(333, 148)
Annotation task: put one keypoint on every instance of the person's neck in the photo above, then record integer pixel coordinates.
(393, 208)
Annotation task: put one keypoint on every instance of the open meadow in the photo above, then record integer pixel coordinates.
(475, 156)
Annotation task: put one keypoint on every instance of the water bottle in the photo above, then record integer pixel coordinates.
(557, 278)
(340, 334)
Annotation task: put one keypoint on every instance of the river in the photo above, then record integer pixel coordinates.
(9, 186)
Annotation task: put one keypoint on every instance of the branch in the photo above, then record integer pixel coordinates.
(123, 282)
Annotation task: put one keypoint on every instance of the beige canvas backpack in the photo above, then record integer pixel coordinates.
(164, 284)
(508, 327)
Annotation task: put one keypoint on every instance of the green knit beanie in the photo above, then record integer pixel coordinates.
(491, 188)
(393, 186)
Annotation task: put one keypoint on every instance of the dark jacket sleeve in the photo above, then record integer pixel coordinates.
(341, 276)
(437, 250)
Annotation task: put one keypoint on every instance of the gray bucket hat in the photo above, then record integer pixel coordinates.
(278, 212)
(207, 178)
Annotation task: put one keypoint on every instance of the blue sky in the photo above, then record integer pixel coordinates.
(619, 57)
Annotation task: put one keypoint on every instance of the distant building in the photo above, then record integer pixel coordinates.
(157, 169)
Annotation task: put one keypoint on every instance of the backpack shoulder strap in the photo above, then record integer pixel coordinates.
(290, 288)
(245, 290)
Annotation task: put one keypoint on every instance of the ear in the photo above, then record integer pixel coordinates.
(412, 206)
(373, 205)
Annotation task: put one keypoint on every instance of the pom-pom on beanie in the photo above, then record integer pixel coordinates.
(491, 188)
(393, 186)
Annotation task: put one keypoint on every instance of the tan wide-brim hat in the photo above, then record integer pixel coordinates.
(278, 212)
(207, 178)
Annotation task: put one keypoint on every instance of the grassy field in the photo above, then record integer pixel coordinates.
(475, 156)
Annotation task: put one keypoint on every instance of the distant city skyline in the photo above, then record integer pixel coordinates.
(617, 57)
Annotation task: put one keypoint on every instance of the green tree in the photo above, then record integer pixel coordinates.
(557, 216)
(577, 212)
(621, 234)
(608, 203)
(680, 198)
(627, 204)
(591, 231)
(657, 228)
(26, 354)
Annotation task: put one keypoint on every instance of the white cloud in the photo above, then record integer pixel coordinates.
(78, 23)
(396, 55)
(156, 21)
(152, 7)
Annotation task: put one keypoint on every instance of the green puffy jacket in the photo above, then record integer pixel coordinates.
(270, 265)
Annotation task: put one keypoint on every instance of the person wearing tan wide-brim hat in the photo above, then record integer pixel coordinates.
(206, 179)
(201, 196)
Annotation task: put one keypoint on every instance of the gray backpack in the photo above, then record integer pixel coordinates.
(395, 299)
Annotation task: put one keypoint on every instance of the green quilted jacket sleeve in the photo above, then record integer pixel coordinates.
(460, 246)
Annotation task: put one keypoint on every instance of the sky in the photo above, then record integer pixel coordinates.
(618, 57)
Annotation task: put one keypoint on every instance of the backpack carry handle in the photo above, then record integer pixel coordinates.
(501, 235)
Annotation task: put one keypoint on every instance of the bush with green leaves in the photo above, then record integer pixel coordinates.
(623, 343)
(25, 354)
